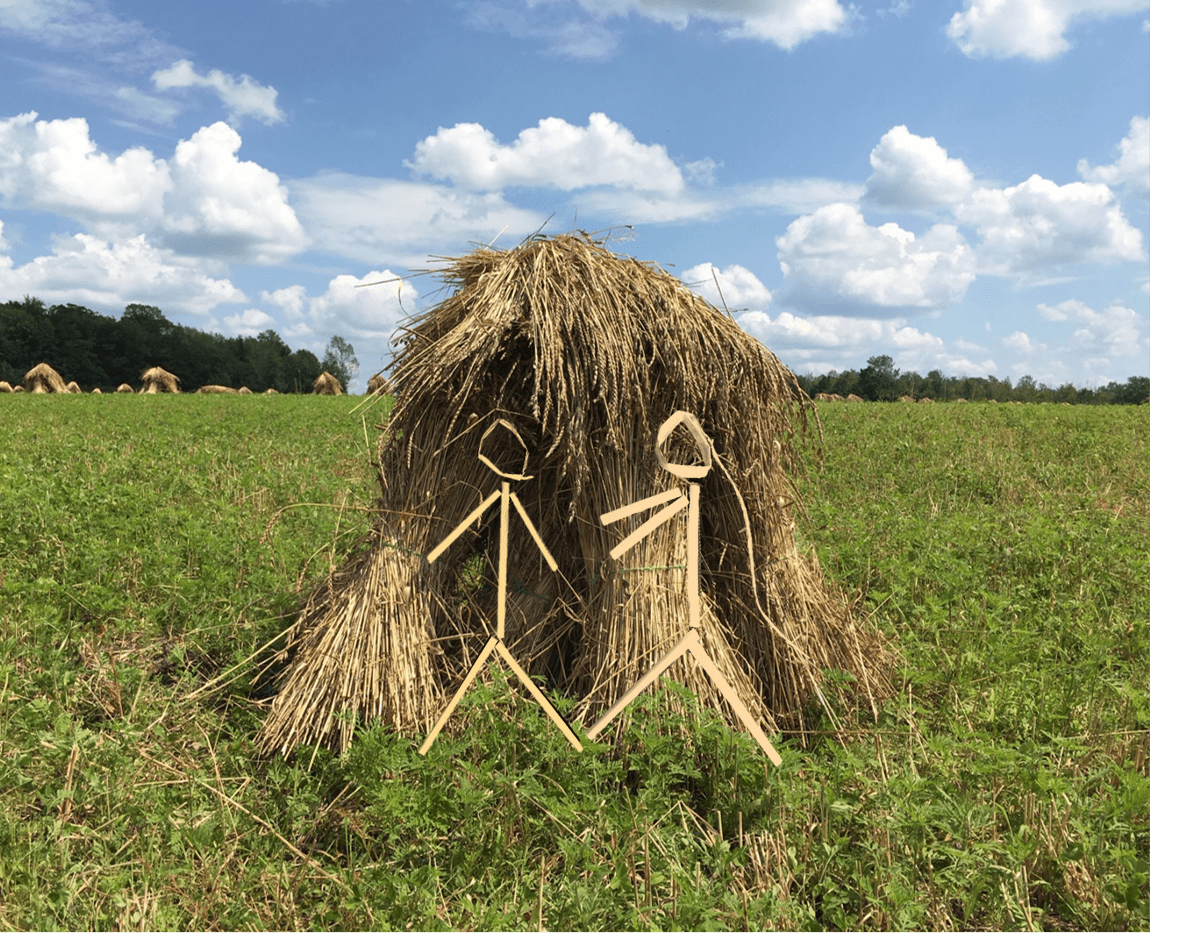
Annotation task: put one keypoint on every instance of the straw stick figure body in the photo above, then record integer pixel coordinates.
(497, 642)
(678, 502)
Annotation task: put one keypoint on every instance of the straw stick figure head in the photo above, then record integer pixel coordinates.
(502, 447)
(703, 445)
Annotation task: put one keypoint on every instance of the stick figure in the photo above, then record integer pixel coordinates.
(497, 643)
(677, 502)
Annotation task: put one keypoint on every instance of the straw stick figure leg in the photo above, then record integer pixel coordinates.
(659, 667)
(454, 702)
(729, 694)
(539, 697)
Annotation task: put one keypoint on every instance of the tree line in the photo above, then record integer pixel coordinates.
(881, 380)
(99, 351)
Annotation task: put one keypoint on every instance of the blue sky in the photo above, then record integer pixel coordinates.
(960, 184)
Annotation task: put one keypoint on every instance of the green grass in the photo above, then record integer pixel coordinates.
(1004, 549)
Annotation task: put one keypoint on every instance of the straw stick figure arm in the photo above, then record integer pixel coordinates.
(649, 525)
(649, 502)
(463, 526)
(533, 533)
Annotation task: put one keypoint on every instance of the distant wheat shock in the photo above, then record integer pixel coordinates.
(327, 384)
(42, 379)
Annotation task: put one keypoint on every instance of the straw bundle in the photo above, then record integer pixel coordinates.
(270, 391)
(97, 391)
(5, 388)
(854, 397)
(124, 389)
(376, 383)
(18, 388)
(587, 353)
(326, 384)
(245, 391)
(215, 390)
(73, 388)
(159, 381)
(42, 379)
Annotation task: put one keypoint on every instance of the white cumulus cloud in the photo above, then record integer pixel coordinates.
(55, 166)
(1031, 28)
(243, 96)
(1133, 166)
(203, 201)
(359, 309)
(835, 255)
(226, 207)
(555, 153)
(88, 270)
(248, 323)
(1021, 342)
(912, 172)
(739, 287)
(363, 312)
(1039, 224)
(289, 299)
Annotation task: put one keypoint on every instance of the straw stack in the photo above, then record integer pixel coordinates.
(42, 379)
(587, 353)
(326, 384)
(159, 381)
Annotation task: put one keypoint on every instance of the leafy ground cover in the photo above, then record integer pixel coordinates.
(150, 545)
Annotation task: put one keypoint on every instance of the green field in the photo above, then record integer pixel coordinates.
(1005, 549)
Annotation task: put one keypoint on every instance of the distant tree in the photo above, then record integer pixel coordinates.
(26, 338)
(142, 338)
(936, 385)
(268, 358)
(846, 383)
(79, 334)
(1025, 390)
(340, 361)
(999, 389)
(878, 381)
(303, 369)
(1064, 393)
(1110, 393)
(912, 384)
(1136, 390)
